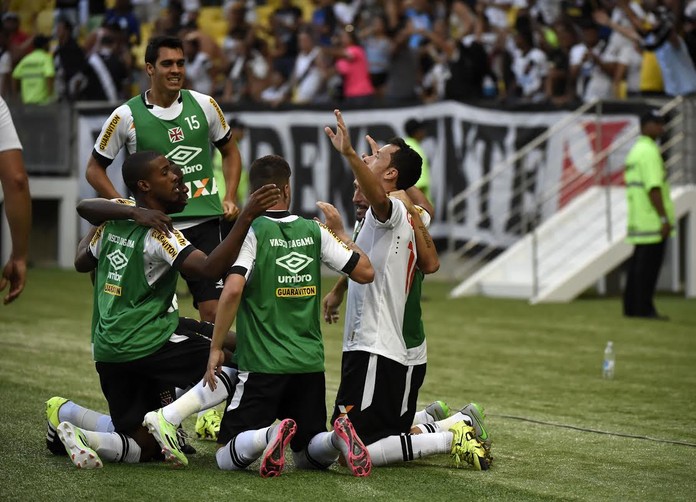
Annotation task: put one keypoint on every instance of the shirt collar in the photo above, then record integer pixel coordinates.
(151, 106)
(277, 214)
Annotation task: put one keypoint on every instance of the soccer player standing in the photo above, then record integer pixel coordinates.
(179, 124)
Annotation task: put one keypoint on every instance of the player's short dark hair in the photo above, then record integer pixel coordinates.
(407, 161)
(269, 169)
(155, 43)
(135, 168)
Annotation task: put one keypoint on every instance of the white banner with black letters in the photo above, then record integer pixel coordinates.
(463, 144)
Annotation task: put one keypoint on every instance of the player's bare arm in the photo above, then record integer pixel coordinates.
(333, 299)
(15, 183)
(197, 264)
(363, 271)
(97, 211)
(97, 178)
(419, 199)
(84, 261)
(231, 170)
(368, 181)
(224, 317)
(428, 261)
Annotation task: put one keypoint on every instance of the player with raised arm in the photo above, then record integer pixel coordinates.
(273, 290)
(138, 344)
(377, 372)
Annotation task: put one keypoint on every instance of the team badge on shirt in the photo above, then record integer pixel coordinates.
(176, 134)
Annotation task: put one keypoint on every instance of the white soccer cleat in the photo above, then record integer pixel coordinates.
(79, 451)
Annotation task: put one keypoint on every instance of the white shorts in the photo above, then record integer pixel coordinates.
(8, 135)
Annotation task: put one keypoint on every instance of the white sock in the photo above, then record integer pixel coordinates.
(338, 443)
(423, 417)
(114, 447)
(444, 424)
(246, 447)
(85, 418)
(319, 454)
(200, 398)
(406, 447)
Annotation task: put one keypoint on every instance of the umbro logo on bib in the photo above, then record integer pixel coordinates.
(117, 259)
(183, 155)
(294, 262)
(176, 134)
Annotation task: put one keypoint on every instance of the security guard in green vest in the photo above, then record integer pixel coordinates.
(650, 217)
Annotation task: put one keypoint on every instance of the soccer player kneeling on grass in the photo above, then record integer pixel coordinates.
(137, 344)
(381, 371)
(273, 290)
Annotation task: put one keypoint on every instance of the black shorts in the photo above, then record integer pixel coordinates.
(415, 375)
(205, 236)
(203, 328)
(261, 398)
(133, 388)
(378, 394)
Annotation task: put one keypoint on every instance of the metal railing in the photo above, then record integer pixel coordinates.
(547, 263)
(474, 253)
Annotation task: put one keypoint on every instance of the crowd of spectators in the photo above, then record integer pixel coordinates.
(364, 52)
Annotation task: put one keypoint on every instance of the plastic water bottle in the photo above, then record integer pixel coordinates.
(609, 360)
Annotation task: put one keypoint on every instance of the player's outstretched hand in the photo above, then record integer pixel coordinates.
(154, 218)
(263, 198)
(215, 360)
(330, 305)
(340, 138)
(14, 274)
(334, 222)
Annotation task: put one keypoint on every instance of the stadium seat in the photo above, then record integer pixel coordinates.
(216, 29)
(28, 10)
(139, 50)
(210, 14)
(45, 22)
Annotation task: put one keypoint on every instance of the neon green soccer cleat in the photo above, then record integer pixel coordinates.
(208, 425)
(475, 412)
(52, 421)
(466, 449)
(165, 434)
(438, 410)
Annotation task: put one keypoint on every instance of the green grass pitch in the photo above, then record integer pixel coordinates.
(534, 362)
